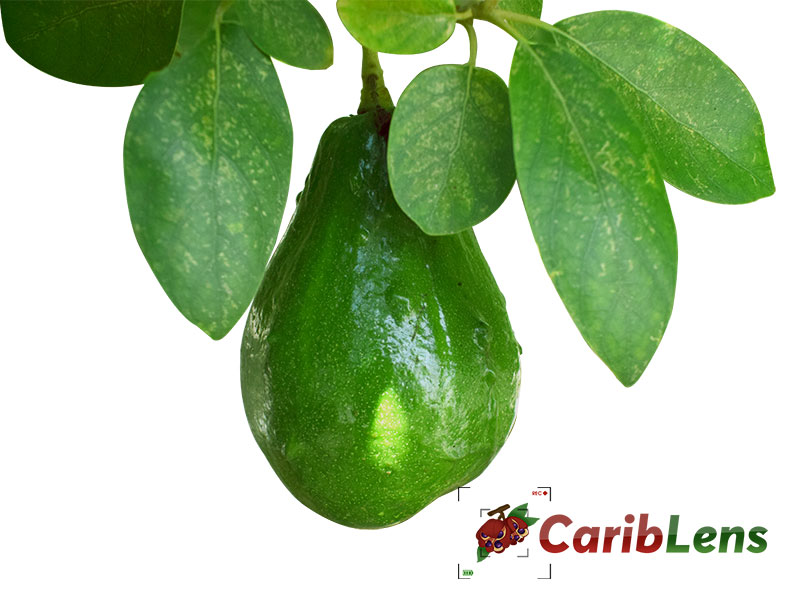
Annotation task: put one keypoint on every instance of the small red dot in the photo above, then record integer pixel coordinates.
(545, 493)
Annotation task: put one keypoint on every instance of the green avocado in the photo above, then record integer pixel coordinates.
(379, 370)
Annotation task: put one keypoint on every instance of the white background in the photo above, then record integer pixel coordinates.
(127, 469)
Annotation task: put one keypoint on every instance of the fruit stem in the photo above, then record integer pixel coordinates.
(373, 92)
(501, 510)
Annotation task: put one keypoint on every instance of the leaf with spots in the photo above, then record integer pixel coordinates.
(290, 30)
(450, 155)
(595, 201)
(702, 123)
(399, 26)
(207, 158)
(93, 42)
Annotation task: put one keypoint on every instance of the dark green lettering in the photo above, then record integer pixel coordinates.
(672, 544)
(702, 538)
(759, 541)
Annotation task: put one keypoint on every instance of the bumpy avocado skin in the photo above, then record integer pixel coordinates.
(378, 368)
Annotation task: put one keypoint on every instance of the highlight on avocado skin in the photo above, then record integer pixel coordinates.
(379, 369)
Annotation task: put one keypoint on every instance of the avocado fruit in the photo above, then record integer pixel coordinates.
(378, 367)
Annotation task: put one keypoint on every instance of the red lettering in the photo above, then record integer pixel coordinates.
(627, 532)
(644, 532)
(577, 541)
(611, 533)
(544, 533)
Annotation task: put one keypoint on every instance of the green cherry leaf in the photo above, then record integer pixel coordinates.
(483, 554)
(702, 122)
(290, 30)
(450, 154)
(529, 521)
(399, 26)
(596, 203)
(521, 512)
(93, 42)
(207, 158)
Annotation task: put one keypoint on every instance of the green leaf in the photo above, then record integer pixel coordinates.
(290, 30)
(530, 520)
(399, 26)
(521, 512)
(483, 554)
(207, 159)
(701, 121)
(596, 203)
(197, 20)
(451, 155)
(530, 8)
(94, 42)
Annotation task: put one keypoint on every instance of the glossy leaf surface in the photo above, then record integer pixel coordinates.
(451, 160)
(399, 26)
(207, 160)
(702, 122)
(291, 31)
(596, 203)
(94, 42)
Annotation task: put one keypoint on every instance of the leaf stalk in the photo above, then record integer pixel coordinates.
(473, 41)
(374, 94)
